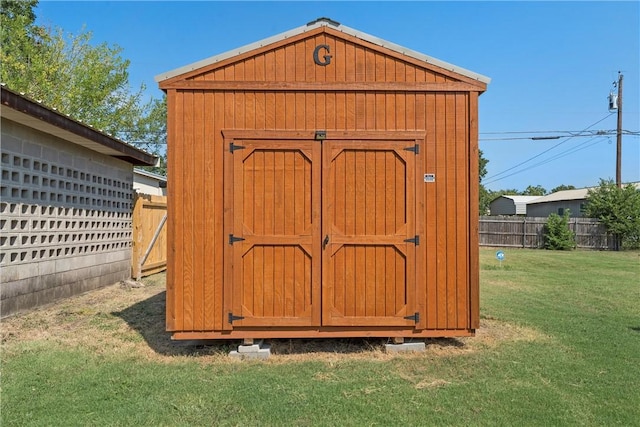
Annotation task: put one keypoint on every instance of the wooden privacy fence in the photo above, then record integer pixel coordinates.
(149, 235)
(528, 232)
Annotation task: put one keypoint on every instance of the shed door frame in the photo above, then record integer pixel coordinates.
(411, 137)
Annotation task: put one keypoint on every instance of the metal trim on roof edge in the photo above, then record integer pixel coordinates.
(321, 22)
(26, 107)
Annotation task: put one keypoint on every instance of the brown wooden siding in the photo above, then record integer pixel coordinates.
(351, 63)
(372, 102)
(195, 157)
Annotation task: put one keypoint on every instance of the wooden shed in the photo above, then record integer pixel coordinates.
(322, 183)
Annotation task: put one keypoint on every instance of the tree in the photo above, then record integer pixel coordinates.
(618, 209)
(562, 187)
(482, 164)
(12, 9)
(485, 200)
(20, 41)
(538, 190)
(485, 195)
(150, 133)
(557, 234)
(88, 82)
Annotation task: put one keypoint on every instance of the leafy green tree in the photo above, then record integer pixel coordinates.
(23, 8)
(557, 234)
(67, 72)
(511, 191)
(538, 190)
(485, 195)
(149, 132)
(618, 209)
(485, 200)
(482, 164)
(20, 41)
(562, 187)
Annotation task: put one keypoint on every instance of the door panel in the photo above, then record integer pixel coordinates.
(276, 265)
(368, 218)
(320, 233)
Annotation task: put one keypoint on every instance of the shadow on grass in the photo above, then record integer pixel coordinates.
(635, 328)
(147, 317)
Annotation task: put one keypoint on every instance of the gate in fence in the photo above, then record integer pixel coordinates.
(149, 235)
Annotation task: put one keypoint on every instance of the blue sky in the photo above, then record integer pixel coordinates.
(552, 64)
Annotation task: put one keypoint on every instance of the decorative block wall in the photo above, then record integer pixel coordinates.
(65, 219)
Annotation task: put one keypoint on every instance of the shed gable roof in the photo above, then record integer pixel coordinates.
(289, 57)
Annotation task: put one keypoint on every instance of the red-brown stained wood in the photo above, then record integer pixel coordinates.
(217, 176)
(474, 246)
(431, 218)
(171, 225)
(285, 191)
(462, 213)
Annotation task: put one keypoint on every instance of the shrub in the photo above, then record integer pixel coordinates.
(557, 235)
(619, 210)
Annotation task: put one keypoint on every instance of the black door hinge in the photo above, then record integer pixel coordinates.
(233, 147)
(414, 240)
(233, 239)
(232, 318)
(415, 317)
(415, 149)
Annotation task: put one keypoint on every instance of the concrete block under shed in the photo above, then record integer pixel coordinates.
(405, 347)
(248, 348)
(251, 352)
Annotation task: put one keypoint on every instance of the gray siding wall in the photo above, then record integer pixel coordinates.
(502, 206)
(65, 219)
(547, 208)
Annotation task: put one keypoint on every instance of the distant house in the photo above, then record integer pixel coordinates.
(66, 195)
(145, 182)
(510, 205)
(561, 201)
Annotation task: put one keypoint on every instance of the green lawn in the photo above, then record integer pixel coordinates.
(560, 345)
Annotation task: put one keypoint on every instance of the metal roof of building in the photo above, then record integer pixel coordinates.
(150, 174)
(518, 199)
(322, 22)
(19, 108)
(576, 194)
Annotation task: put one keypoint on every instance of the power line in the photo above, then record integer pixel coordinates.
(537, 155)
(570, 132)
(547, 137)
(531, 135)
(544, 162)
(556, 157)
(524, 131)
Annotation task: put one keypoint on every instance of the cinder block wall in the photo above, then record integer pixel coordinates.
(65, 219)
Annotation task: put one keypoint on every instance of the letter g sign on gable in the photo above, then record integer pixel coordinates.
(316, 55)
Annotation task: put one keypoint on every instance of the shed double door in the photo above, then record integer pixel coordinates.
(322, 233)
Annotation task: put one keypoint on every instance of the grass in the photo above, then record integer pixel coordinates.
(559, 345)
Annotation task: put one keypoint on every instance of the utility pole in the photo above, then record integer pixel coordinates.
(619, 134)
